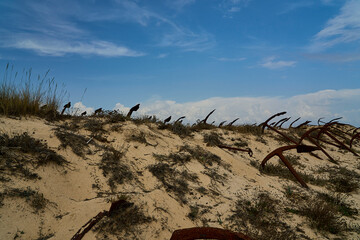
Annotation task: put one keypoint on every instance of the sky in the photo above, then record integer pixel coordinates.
(247, 59)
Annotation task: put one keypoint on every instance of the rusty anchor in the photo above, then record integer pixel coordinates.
(232, 122)
(294, 122)
(120, 204)
(325, 130)
(206, 118)
(279, 152)
(248, 150)
(133, 109)
(357, 135)
(312, 140)
(207, 233)
(265, 124)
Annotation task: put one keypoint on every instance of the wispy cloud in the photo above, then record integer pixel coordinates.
(335, 58)
(179, 4)
(229, 7)
(163, 55)
(271, 63)
(292, 6)
(312, 106)
(79, 108)
(342, 29)
(188, 40)
(47, 29)
(224, 59)
(52, 47)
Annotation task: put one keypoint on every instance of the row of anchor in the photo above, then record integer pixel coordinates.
(338, 138)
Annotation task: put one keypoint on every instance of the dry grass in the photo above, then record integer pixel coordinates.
(204, 157)
(174, 181)
(260, 219)
(35, 199)
(123, 222)
(26, 96)
(31, 149)
(113, 167)
(76, 142)
(322, 215)
(212, 139)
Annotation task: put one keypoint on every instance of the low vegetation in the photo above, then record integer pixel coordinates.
(35, 199)
(114, 168)
(123, 222)
(174, 181)
(260, 218)
(22, 152)
(26, 96)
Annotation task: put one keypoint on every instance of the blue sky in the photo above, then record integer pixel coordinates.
(246, 58)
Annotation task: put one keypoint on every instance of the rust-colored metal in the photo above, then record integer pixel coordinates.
(266, 123)
(232, 122)
(222, 123)
(286, 119)
(206, 118)
(294, 122)
(325, 130)
(308, 137)
(68, 105)
(248, 150)
(167, 120)
(279, 152)
(179, 119)
(207, 233)
(335, 119)
(357, 135)
(282, 134)
(319, 121)
(303, 124)
(98, 111)
(280, 121)
(120, 204)
(356, 129)
(133, 109)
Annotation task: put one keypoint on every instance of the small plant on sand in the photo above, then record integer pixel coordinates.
(113, 167)
(76, 142)
(212, 139)
(194, 212)
(21, 151)
(174, 181)
(123, 222)
(260, 218)
(35, 199)
(204, 157)
(322, 215)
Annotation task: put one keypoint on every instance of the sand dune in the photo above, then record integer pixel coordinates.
(173, 181)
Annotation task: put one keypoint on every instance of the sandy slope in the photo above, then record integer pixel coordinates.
(78, 191)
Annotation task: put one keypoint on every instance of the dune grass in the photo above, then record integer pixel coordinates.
(26, 96)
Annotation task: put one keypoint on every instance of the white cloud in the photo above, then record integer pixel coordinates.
(270, 63)
(292, 6)
(344, 28)
(54, 47)
(188, 40)
(179, 4)
(230, 7)
(121, 108)
(163, 55)
(326, 103)
(224, 59)
(79, 108)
